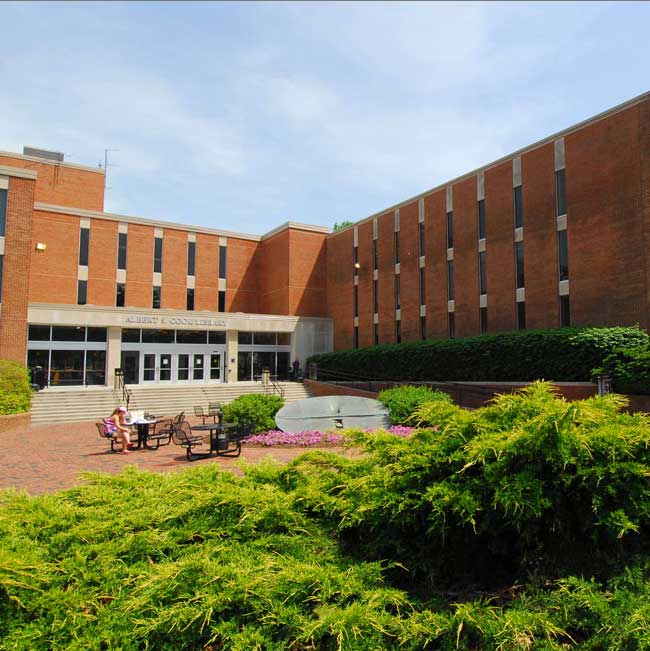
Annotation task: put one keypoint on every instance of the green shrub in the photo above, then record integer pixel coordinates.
(558, 354)
(15, 390)
(402, 401)
(629, 369)
(256, 407)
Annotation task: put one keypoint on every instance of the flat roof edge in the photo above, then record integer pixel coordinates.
(297, 226)
(19, 172)
(36, 159)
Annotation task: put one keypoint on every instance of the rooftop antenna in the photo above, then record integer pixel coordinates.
(106, 165)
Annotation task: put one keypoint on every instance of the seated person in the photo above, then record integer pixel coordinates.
(115, 426)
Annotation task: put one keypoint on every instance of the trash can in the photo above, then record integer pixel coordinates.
(38, 376)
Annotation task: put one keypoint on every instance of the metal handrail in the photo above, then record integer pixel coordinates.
(126, 393)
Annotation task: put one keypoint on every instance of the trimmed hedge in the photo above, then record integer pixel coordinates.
(256, 407)
(559, 354)
(629, 369)
(15, 391)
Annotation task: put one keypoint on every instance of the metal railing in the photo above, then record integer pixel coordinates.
(127, 394)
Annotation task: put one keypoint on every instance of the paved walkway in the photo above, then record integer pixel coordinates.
(48, 458)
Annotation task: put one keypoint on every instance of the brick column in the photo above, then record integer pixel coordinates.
(17, 257)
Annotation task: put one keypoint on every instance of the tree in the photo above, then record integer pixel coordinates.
(344, 224)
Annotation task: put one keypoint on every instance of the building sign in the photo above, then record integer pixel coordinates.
(175, 321)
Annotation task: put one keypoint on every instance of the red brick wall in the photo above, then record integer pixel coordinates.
(242, 276)
(409, 272)
(207, 272)
(273, 261)
(339, 286)
(436, 264)
(102, 262)
(307, 277)
(366, 307)
(15, 282)
(139, 266)
(63, 186)
(386, 256)
(174, 269)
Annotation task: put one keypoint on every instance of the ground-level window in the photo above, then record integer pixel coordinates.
(251, 363)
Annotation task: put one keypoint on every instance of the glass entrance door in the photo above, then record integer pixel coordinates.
(149, 367)
(215, 366)
(198, 367)
(165, 372)
(157, 367)
(183, 368)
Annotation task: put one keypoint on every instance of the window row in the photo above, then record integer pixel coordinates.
(156, 336)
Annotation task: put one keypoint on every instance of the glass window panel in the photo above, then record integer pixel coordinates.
(157, 254)
(222, 262)
(355, 292)
(71, 333)
(519, 207)
(560, 192)
(215, 366)
(131, 335)
(3, 212)
(190, 299)
(263, 359)
(563, 255)
(521, 315)
(421, 239)
(165, 367)
(375, 297)
(245, 338)
(155, 298)
(376, 334)
(519, 264)
(82, 289)
(120, 294)
(397, 293)
(121, 250)
(481, 219)
(284, 338)
(244, 366)
(84, 240)
(375, 257)
(423, 299)
(191, 258)
(398, 332)
(96, 334)
(423, 327)
(396, 247)
(158, 336)
(183, 367)
(282, 366)
(483, 318)
(216, 337)
(39, 333)
(355, 337)
(197, 367)
(96, 367)
(565, 311)
(450, 230)
(482, 272)
(264, 338)
(130, 361)
(191, 336)
(221, 307)
(450, 280)
(451, 325)
(356, 260)
(67, 367)
(39, 358)
(149, 368)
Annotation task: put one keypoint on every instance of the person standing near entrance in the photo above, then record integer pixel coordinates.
(115, 426)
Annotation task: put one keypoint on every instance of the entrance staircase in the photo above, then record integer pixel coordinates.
(57, 405)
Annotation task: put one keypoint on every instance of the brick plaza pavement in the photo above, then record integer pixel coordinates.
(48, 458)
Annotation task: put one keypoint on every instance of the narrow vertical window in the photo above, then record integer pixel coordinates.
(356, 300)
(355, 339)
(376, 334)
(82, 288)
(222, 302)
(191, 258)
(483, 319)
(451, 325)
(519, 207)
(450, 230)
(121, 250)
(560, 193)
(423, 298)
(356, 260)
(421, 239)
(2, 264)
(396, 243)
(521, 315)
(190, 298)
(375, 297)
(519, 264)
(375, 257)
(155, 298)
(398, 332)
(222, 261)
(450, 280)
(565, 311)
(3, 212)
(84, 241)
(157, 254)
(482, 273)
(563, 255)
(397, 293)
(120, 294)
(481, 219)
(423, 327)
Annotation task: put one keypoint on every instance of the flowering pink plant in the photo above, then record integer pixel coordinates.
(313, 437)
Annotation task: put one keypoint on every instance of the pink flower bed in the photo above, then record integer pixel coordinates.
(313, 437)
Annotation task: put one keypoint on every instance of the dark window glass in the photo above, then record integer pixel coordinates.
(263, 359)
(39, 358)
(244, 366)
(481, 219)
(355, 342)
(120, 294)
(376, 334)
(450, 230)
(423, 327)
(563, 255)
(560, 192)
(191, 258)
(82, 290)
(375, 256)
(39, 333)
(282, 369)
(68, 333)
(356, 300)
(284, 338)
(216, 337)
(222, 261)
(356, 260)
(375, 296)
(519, 207)
(264, 338)
(183, 370)
(155, 298)
(521, 315)
(121, 250)
(2, 265)
(96, 334)
(245, 338)
(130, 362)
(398, 332)
(396, 242)
(3, 212)
(131, 335)
(483, 319)
(221, 307)
(451, 325)
(423, 298)
(191, 336)
(67, 367)
(421, 239)
(157, 254)
(197, 366)
(397, 293)
(190, 299)
(565, 311)
(158, 336)
(95, 367)
(482, 273)
(450, 280)
(519, 264)
(84, 241)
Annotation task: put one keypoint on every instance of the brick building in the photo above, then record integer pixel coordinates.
(557, 233)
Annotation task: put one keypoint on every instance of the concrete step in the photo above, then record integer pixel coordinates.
(89, 403)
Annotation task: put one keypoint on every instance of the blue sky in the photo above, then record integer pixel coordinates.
(241, 116)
